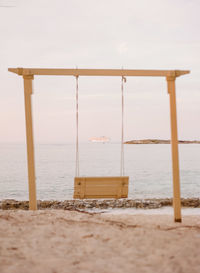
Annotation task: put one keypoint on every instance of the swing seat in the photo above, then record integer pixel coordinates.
(101, 187)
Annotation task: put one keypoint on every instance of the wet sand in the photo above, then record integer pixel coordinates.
(68, 241)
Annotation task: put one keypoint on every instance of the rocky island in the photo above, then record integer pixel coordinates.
(160, 141)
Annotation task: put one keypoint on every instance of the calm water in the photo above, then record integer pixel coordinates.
(148, 166)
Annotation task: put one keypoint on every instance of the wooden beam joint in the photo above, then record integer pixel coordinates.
(28, 77)
(20, 71)
(170, 80)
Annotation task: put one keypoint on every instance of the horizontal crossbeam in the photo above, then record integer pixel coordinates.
(97, 72)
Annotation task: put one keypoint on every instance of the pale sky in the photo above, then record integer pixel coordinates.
(133, 34)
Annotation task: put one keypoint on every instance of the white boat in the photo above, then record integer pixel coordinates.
(101, 139)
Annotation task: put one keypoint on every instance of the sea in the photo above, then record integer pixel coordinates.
(148, 166)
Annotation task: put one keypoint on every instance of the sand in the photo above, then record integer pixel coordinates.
(65, 241)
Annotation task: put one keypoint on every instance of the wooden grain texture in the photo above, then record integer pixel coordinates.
(29, 142)
(97, 72)
(174, 147)
(101, 187)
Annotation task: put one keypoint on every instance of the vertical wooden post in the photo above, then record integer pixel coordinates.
(29, 141)
(174, 146)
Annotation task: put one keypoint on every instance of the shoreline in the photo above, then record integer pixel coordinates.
(77, 204)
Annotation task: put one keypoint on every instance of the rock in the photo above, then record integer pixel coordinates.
(9, 204)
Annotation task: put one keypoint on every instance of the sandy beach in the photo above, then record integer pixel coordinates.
(69, 241)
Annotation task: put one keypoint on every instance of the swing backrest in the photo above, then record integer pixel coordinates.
(101, 187)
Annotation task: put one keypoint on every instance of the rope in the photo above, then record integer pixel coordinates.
(77, 143)
(123, 80)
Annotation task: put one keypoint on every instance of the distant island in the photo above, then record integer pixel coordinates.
(160, 141)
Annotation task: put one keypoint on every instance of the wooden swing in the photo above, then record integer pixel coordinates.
(104, 186)
(170, 75)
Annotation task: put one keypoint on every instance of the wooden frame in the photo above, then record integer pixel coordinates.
(97, 72)
(101, 187)
(170, 75)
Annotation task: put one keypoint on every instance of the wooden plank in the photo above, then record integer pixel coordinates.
(97, 72)
(101, 190)
(96, 196)
(101, 187)
(174, 145)
(125, 190)
(107, 183)
(82, 188)
(103, 178)
(119, 190)
(99, 196)
(29, 141)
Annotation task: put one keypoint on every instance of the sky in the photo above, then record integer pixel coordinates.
(129, 34)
